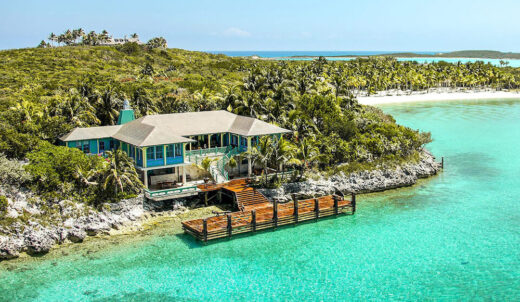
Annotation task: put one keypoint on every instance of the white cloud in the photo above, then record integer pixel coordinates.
(236, 32)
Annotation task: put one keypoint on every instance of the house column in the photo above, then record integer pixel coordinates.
(144, 156)
(145, 180)
(183, 175)
(221, 139)
(249, 166)
(183, 152)
(209, 141)
(97, 146)
(164, 154)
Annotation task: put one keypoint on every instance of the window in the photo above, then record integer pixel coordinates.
(111, 144)
(159, 152)
(178, 150)
(150, 154)
(169, 150)
(139, 156)
(86, 147)
(101, 146)
(132, 151)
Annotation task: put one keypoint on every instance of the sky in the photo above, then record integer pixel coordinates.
(377, 25)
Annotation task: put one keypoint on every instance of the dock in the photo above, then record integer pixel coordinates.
(256, 212)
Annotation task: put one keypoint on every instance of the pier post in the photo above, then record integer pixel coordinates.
(442, 162)
(229, 227)
(336, 210)
(316, 208)
(275, 213)
(353, 202)
(205, 229)
(295, 210)
(253, 220)
(219, 196)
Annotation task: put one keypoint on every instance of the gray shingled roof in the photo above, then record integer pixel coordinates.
(174, 128)
(78, 134)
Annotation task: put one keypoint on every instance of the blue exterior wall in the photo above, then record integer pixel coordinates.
(92, 144)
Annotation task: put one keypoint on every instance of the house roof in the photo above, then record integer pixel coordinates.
(174, 128)
(78, 134)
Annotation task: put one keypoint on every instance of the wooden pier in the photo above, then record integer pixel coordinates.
(257, 213)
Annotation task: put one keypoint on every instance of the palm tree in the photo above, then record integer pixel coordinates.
(120, 174)
(262, 153)
(308, 153)
(142, 103)
(107, 106)
(52, 38)
(284, 152)
(76, 109)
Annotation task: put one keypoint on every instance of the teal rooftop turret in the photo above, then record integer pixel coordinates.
(126, 115)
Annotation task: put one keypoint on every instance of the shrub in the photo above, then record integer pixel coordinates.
(57, 168)
(12, 172)
(130, 48)
(3, 205)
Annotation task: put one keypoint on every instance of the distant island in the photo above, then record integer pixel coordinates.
(474, 54)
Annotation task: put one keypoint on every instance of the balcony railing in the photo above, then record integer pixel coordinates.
(172, 191)
(202, 152)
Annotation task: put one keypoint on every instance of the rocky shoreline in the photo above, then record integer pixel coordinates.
(359, 182)
(73, 222)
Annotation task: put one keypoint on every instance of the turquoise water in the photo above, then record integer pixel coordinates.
(453, 237)
(496, 62)
(332, 55)
(287, 53)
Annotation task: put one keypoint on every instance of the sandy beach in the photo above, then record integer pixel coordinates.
(436, 96)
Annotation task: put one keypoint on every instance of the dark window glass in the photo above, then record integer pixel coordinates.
(159, 152)
(101, 146)
(169, 151)
(86, 147)
(150, 153)
(178, 150)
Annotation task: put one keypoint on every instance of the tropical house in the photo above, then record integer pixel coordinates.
(165, 147)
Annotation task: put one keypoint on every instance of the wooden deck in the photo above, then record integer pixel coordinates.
(257, 213)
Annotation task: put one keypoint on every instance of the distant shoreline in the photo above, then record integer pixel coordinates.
(436, 96)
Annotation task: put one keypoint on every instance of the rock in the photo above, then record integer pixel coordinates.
(77, 235)
(9, 248)
(37, 242)
(95, 228)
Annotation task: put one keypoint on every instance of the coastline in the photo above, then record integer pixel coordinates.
(382, 179)
(131, 219)
(389, 97)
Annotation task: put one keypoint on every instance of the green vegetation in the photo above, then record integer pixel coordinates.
(44, 93)
(61, 172)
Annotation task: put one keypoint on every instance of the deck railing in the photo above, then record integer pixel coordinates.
(247, 222)
(221, 164)
(203, 152)
(172, 191)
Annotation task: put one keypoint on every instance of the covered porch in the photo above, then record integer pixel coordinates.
(219, 140)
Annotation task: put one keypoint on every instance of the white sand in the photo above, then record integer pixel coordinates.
(437, 96)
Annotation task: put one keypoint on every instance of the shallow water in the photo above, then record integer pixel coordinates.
(452, 237)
